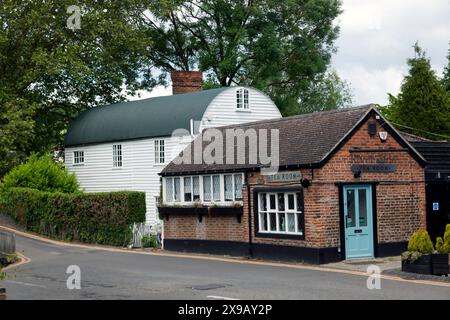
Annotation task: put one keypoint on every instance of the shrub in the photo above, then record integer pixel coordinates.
(149, 241)
(41, 173)
(103, 218)
(420, 242)
(443, 245)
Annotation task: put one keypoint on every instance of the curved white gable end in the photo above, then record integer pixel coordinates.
(222, 111)
(139, 170)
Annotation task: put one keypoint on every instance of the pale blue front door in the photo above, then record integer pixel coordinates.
(358, 221)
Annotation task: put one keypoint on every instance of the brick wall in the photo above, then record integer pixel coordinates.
(400, 199)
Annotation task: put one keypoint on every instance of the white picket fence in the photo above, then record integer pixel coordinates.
(139, 230)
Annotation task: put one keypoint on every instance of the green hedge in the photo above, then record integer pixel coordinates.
(103, 218)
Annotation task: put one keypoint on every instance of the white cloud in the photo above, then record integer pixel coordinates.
(377, 37)
(156, 92)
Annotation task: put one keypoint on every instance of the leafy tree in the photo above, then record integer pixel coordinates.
(328, 92)
(49, 73)
(446, 78)
(280, 47)
(41, 173)
(422, 106)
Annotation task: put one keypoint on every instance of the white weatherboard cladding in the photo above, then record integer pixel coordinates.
(139, 171)
(222, 110)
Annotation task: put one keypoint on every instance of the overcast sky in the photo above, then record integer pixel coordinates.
(375, 40)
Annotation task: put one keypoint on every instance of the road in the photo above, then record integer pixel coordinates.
(121, 275)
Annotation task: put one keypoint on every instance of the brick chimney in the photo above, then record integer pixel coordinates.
(186, 81)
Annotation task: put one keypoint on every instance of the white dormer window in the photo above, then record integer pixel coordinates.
(78, 157)
(159, 151)
(242, 99)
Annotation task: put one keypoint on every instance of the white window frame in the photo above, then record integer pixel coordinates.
(78, 157)
(160, 151)
(296, 211)
(117, 158)
(170, 198)
(242, 99)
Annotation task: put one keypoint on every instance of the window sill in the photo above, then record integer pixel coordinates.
(78, 165)
(243, 110)
(288, 236)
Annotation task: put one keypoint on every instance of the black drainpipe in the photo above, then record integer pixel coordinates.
(247, 184)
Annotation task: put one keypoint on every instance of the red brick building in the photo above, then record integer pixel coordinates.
(348, 186)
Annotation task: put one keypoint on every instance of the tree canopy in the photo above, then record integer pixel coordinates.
(49, 73)
(422, 106)
(281, 47)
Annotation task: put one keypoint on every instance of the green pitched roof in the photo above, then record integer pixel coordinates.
(147, 118)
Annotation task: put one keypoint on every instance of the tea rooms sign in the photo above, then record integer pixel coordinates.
(290, 176)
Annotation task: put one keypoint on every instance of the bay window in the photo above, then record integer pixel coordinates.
(217, 188)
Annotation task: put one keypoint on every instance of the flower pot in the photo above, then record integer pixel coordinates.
(439, 263)
(422, 265)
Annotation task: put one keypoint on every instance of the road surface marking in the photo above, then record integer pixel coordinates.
(26, 284)
(221, 298)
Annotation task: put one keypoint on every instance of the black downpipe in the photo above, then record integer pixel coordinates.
(250, 245)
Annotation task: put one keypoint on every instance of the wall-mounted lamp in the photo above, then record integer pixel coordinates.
(383, 135)
(305, 183)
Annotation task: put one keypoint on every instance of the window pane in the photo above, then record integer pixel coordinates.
(156, 151)
(176, 189)
(216, 188)
(280, 201)
(239, 98)
(187, 189)
(263, 221)
(300, 223)
(282, 221)
(299, 197)
(350, 208)
(273, 221)
(291, 205)
(291, 222)
(196, 186)
(263, 201)
(169, 189)
(238, 187)
(161, 151)
(272, 200)
(228, 183)
(362, 207)
(207, 188)
(246, 104)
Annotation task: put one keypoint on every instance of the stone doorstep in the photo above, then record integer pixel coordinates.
(362, 264)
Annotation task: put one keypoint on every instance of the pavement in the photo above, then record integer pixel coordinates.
(121, 274)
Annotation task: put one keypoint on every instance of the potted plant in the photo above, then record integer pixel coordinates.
(418, 257)
(440, 260)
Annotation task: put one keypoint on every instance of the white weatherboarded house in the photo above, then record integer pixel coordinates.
(124, 146)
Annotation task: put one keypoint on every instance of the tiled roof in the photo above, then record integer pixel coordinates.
(304, 140)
